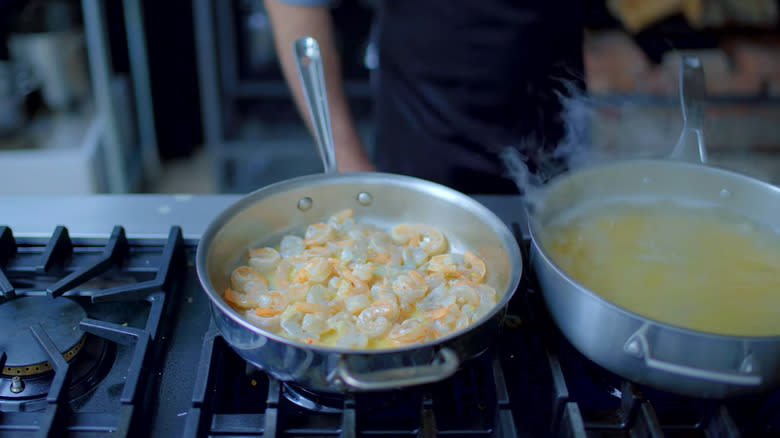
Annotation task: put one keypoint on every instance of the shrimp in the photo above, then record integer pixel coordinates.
(240, 300)
(413, 256)
(270, 304)
(318, 234)
(352, 339)
(356, 303)
(283, 271)
(308, 307)
(448, 319)
(435, 280)
(291, 246)
(314, 324)
(341, 218)
(465, 294)
(449, 265)
(428, 238)
(246, 279)
(363, 271)
(270, 323)
(316, 270)
(264, 259)
(319, 294)
(474, 266)
(375, 320)
(437, 298)
(410, 287)
(409, 331)
(353, 285)
(341, 322)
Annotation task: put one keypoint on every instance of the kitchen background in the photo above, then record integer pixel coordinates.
(118, 96)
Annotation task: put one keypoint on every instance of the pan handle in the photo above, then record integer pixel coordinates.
(308, 60)
(638, 347)
(443, 366)
(692, 94)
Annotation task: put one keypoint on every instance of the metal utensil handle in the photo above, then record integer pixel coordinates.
(443, 366)
(638, 346)
(310, 71)
(692, 94)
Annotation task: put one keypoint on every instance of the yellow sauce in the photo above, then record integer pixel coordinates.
(702, 269)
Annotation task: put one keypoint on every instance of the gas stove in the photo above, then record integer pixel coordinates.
(111, 334)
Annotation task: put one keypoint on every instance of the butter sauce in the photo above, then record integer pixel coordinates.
(705, 269)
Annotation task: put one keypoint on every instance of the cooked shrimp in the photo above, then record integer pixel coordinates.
(354, 304)
(435, 280)
(308, 307)
(376, 319)
(240, 300)
(342, 322)
(291, 246)
(270, 323)
(318, 234)
(409, 331)
(353, 285)
(316, 270)
(450, 265)
(474, 266)
(428, 238)
(413, 256)
(283, 272)
(464, 294)
(451, 320)
(314, 324)
(248, 280)
(270, 304)
(341, 216)
(355, 340)
(319, 294)
(264, 259)
(410, 287)
(363, 271)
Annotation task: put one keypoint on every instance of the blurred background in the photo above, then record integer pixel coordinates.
(129, 96)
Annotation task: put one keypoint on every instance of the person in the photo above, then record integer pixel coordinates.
(457, 82)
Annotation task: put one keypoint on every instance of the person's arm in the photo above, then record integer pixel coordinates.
(290, 22)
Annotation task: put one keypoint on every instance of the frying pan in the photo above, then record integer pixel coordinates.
(261, 218)
(645, 350)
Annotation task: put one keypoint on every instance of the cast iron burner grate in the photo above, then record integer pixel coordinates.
(94, 346)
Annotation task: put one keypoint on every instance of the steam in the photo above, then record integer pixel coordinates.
(596, 131)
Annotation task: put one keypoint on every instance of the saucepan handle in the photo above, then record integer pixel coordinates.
(638, 347)
(310, 71)
(692, 94)
(443, 366)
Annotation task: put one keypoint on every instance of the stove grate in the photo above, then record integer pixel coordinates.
(68, 266)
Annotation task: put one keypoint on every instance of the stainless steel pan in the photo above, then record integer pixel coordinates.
(262, 217)
(643, 350)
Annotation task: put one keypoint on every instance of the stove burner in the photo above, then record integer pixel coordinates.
(87, 369)
(60, 319)
(313, 401)
(328, 403)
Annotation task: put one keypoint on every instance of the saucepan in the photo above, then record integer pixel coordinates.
(261, 218)
(646, 350)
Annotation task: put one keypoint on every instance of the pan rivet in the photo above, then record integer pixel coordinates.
(305, 203)
(725, 193)
(365, 198)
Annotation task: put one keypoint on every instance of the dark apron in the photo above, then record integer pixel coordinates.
(459, 80)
